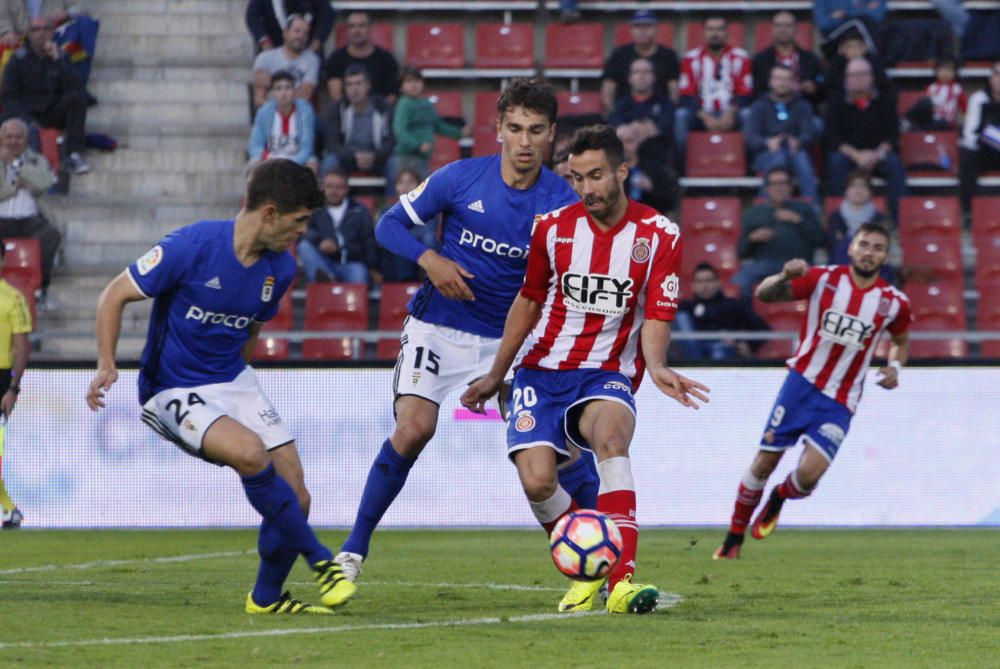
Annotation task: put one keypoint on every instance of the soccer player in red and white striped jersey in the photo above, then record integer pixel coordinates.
(850, 306)
(601, 272)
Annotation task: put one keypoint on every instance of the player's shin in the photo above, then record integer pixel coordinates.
(747, 498)
(276, 561)
(386, 479)
(617, 500)
(275, 500)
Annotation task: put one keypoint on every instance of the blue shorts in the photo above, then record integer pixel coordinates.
(802, 410)
(545, 406)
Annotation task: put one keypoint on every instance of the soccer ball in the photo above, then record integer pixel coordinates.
(586, 545)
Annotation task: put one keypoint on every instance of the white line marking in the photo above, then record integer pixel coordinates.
(119, 563)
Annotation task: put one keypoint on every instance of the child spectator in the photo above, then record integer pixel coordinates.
(395, 267)
(284, 127)
(939, 109)
(415, 122)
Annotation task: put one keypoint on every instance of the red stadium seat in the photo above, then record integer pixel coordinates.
(717, 248)
(716, 154)
(484, 141)
(271, 348)
(435, 45)
(937, 348)
(711, 213)
(782, 317)
(933, 254)
(985, 218)
(937, 299)
(334, 306)
(26, 290)
(664, 33)
(988, 317)
(505, 45)
(446, 150)
(391, 314)
(368, 201)
(574, 45)
(23, 262)
(586, 103)
(929, 153)
(695, 34)
(987, 260)
(832, 202)
(447, 103)
(485, 110)
(905, 100)
(763, 35)
(48, 138)
(929, 233)
(381, 35)
(919, 214)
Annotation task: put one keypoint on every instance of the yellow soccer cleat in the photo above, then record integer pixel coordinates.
(629, 597)
(334, 588)
(286, 604)
(581, 596)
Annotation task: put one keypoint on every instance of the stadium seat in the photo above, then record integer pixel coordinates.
(919, 214)
(584, 103)
(574, 45)
(937, 299)
(664, 33)
(763, 36)
(271, 348)
(985, 218)
(716, 154)
(446, 150)
(782, 317)
(937, 348)
(716, 247)
(988, 317)
(832, 202)
(334, 306)
(19, 282)
(448, 104)
(932, 254)
(929, 233)
(505, 45)
(23, 262)
(711, 213)
(381, 35)
(484, 141)
(695, 34)
(905, 100)
(391, 315)
(929, 153)
(48, 139)
(485, 109)
(435, 45)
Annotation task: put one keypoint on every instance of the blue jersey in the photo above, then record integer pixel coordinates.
(206, 300)
(487, 230)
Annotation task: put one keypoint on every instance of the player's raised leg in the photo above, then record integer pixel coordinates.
(800, 483)
(748, 495)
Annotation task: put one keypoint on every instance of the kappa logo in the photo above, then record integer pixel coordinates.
(665, 223)
(477, 206)
(214, 283)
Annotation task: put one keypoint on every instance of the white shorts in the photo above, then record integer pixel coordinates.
(435, 360)
(183, 415)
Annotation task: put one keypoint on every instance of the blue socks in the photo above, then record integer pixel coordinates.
(276, 561)
(385, 479)
(275, 500)
(580, 480)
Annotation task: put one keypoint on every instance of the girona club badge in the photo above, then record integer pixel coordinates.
(268, 290)
(641, 250)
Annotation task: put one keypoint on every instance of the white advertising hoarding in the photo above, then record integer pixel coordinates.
(927, 453)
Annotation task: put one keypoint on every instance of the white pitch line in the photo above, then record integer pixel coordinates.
(97, 564)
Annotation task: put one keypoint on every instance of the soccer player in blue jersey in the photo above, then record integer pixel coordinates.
(214, 283)
(456, 319)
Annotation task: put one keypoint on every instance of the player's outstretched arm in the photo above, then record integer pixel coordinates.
(110, 306)
(899, 353)
(521, 319)
(777, 287)
(655, 340)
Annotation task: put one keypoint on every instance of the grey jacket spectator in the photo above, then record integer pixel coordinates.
(267, 26)
(382, 67)
(767, 119)
(358, 128)
(292, 56)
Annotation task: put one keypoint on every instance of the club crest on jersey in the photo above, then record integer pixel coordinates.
(268, 290)
(844, 329)
(525, 422)
(146, 263)
(641, 250)
(597, 293)
(884, 305)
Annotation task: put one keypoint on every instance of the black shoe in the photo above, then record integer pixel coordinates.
(730, 548)
(767, 520)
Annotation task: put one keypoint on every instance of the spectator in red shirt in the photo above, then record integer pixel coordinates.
(943, 102)
(716, 83)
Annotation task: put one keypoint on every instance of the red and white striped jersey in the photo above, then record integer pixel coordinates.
(841, 328)
(597, 287)
(716, 83)
(948, 100)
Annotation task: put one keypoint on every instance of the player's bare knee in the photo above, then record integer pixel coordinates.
(538, 486)
(612, 446)
(250, 459)
(764, 464)
(412, 435)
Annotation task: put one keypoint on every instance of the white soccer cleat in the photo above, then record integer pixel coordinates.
(350, 564)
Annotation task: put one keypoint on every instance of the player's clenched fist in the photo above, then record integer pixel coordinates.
(793, 268)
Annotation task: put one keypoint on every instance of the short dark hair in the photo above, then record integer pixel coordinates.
(409, 72)
(3, 249)
(854, 175)
(946, 61)
(283, 75)
(407, 170)
(705, 267)
(715, 17)
(874, 228)
(354, 69)
(560, 156)
(283, 183)
(536, 95)
(598, 138)
(779, 168)
(338, 171)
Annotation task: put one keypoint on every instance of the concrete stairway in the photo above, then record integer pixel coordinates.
(171, 77)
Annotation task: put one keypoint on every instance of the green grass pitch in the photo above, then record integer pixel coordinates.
(830, 598)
